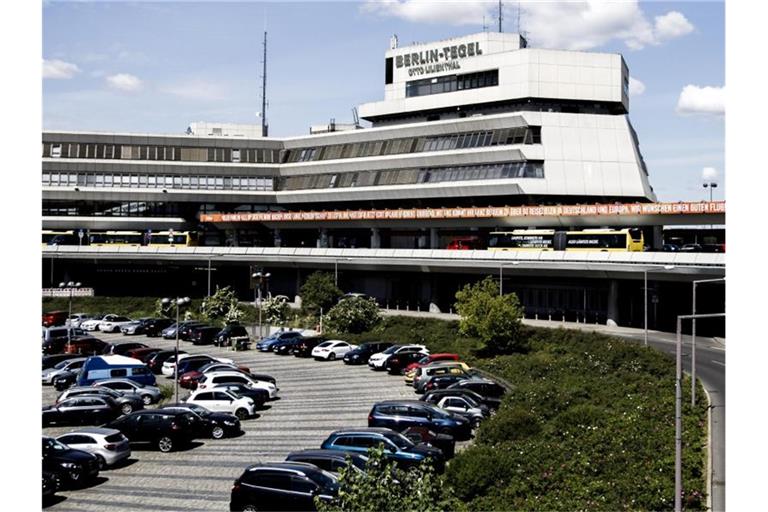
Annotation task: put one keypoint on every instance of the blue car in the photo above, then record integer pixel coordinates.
(266, 344)
(397, 447)
(401, 414)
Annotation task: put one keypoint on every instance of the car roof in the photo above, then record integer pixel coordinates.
(94, 430)
(299, 467)
(363, 430)
(330, 454)
(400, 402)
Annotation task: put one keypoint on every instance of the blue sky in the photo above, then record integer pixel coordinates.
(155, 67)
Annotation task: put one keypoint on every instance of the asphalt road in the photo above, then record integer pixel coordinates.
(315, 399)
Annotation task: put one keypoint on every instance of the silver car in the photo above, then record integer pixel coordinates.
(148, 394)
(107, 444)
(69, 365)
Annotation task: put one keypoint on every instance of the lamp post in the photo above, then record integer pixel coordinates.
(178, 302)
(711, 186)
(645, 302)
(260, 277)
(693, 335)
(71, 285)
(501, 276)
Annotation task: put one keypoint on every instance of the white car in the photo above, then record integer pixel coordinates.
(220, 400)
(464, 406)
(169, 366)
(212, 379)
(332, 349)
(114, 324)
(378, 361)
(77, 318)
(110, 446)
(92, 324)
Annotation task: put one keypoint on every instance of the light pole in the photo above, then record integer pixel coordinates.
(711, 186)
(178, 302)
(693, 334)
(71, 285)
(501, 275)
(645, 301)
(260, 277)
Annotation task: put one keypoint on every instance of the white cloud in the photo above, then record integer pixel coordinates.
(636, 87)
(709, 174)
(196, 90)
(565, 25)
(59, 69)
(701, 100)
(124, 82)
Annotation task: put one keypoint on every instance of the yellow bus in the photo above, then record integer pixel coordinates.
(59, 237)
(116, 238)
(611, 240)
(173, 239)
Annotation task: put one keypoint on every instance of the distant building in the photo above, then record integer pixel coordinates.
(204, 129)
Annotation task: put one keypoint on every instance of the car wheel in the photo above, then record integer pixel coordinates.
(332, 356)
(127, 408)
(102, 461)
(146, 399)
(241, 414)
(74, 476)
(165, 444)
(250, 508)
(217, 432)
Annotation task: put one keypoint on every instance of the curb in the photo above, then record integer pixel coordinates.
(710, 474)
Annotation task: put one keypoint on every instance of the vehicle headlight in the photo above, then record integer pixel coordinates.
(70, 465)
(229, 423)
(355, 356)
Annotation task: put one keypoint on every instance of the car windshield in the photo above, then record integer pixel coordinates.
(55, 445)
(400, 441)
(392, 349)
(471, 401)
(326, 481)
(62, 365)
(325, 344)
(424, 360)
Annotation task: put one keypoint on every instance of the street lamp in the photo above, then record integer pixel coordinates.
(209, 273)
(711, 186)
(260, 277)
(645, 301)
(501, 275)
(167, 304)
(693, 335)
(71, 285)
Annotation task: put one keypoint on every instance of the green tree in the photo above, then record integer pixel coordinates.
(494, 318)
(319, 291)
(353, 315)
(275, 310)
(384, 487)
(222, 305)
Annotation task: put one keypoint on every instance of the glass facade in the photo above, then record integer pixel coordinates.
(160, 153)
(451, 83)
(157, 181)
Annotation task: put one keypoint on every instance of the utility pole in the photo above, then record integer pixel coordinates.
(500, 16)
(264, 126)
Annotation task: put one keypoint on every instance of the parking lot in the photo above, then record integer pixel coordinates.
(315, 398)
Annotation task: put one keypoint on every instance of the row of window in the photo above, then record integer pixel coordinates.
(529, 169)
(169, 153)
(82, 179)
(501, 137)
(451, 83)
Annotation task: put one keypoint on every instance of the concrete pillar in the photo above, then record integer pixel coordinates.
(613, 304)
(658, 238)
(277, 240)
(434, 239)
(323, 240)
(375, 238)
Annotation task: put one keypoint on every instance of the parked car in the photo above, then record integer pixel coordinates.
(155, 362)
(84, 345)
(113, 324)
(134, 327)
(282, 486)
(51, 485)
(397, 362)
(466, 407)
(188, 380)
(77, 318)
(108, 445)
(670, 248)
(122, 348)
(492, 403)
(483, 387)
(81, 410)
(92, 324)
(285, 347)
(194, 363)
(215, 424)
(98, 368)
(440, 382)
(154, 326)
(214, 379)
(220, 400)
(127, 402)
(258, 395)
(423, 374)
(169, 365)
(65, 380)
(397, 448)
(332, 349)
(147, 394)
(331, 461)
(401, 414)
(432, 358)
(265, 344)
(361, 354)
(378, 361)
(306, 344)
(165, 429)
(203, 335)
(170, 331)
(54, 318)
(141, 353)
(691, 248)
(74, 468)
(230, 333)
(55, 339)
(52, 360)
(50, 374)
(185, 331)
(444, 442)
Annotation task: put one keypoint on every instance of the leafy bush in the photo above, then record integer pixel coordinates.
(275, 310)
(221, 306)
(353, 315)
(318, 292)
(511, 423)
(495, 319)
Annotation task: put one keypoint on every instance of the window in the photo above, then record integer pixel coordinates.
(204, 396)
(56, 151)
(120, 372)
(236, 155)
(388, 71)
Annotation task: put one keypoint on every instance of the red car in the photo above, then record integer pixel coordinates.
(142, 354)
(431, 359)
(188, 380)
(54, 318)
(86, 345)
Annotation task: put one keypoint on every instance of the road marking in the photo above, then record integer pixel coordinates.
(719, 362)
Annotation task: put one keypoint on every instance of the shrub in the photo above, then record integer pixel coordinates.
(318, 292)
(275, 310)
(221, 306)
(511, 423)
(353, 315)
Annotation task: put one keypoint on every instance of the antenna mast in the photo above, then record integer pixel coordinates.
(264, 126)
(500, 16)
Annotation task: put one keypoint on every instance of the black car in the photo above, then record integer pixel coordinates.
(122, 348)
(304, 348)
(438, 394)
(329, 460)
(445, 442)
(127, 403)
(81, 410)
(258, 395)
(185, 331)
(401, 414)
(65, 380)
(282, 486)
(193, 363)
(52, 360)
(155, 363)
(154, 326)
(397, 362)
(165, 429)
(214, 424)
(285, 347)
(361, 354)
(203, 335)
(443, 381)
(482, 387)
(224, 337)
(57, 345)
(73, 468)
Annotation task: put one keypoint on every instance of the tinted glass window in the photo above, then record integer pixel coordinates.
(272, 480)
(204, 396)
(302, 485)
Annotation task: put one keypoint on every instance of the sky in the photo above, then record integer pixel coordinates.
(154, 67)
